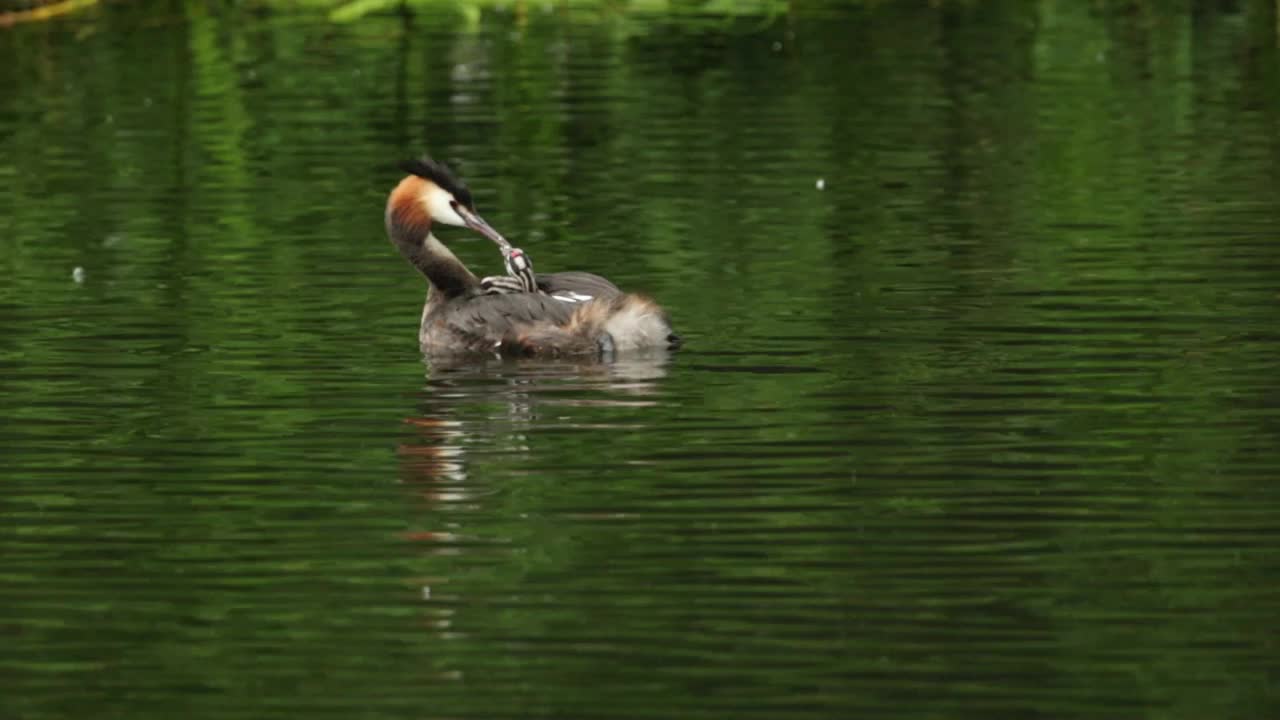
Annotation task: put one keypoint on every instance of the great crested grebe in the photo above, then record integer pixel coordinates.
(556, 314)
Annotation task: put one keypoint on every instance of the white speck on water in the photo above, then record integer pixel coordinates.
(777, 46)
(426, 592)
(147, 102)
(77, 275)
(821, 184)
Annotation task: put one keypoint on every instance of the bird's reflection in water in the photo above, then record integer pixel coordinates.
(487, 409)
(473, 433)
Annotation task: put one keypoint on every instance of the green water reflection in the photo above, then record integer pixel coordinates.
(984, 426)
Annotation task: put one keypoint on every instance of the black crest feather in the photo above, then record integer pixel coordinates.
(440, 174)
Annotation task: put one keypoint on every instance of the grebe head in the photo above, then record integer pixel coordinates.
(432, 193)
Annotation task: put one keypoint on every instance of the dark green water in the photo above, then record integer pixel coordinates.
(986, 427)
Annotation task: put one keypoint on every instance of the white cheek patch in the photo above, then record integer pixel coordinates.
(440, 206)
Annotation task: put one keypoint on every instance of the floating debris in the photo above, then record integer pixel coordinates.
(77, 275)
(821, 184)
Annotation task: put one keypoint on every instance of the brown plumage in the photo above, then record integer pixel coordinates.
(594, 327)
(575, 314)
(406, 203)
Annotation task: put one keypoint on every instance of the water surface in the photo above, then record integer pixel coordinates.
(984, 426)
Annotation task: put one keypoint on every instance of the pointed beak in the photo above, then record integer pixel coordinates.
(477, 223)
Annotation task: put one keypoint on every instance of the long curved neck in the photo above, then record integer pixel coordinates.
(411, 234)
